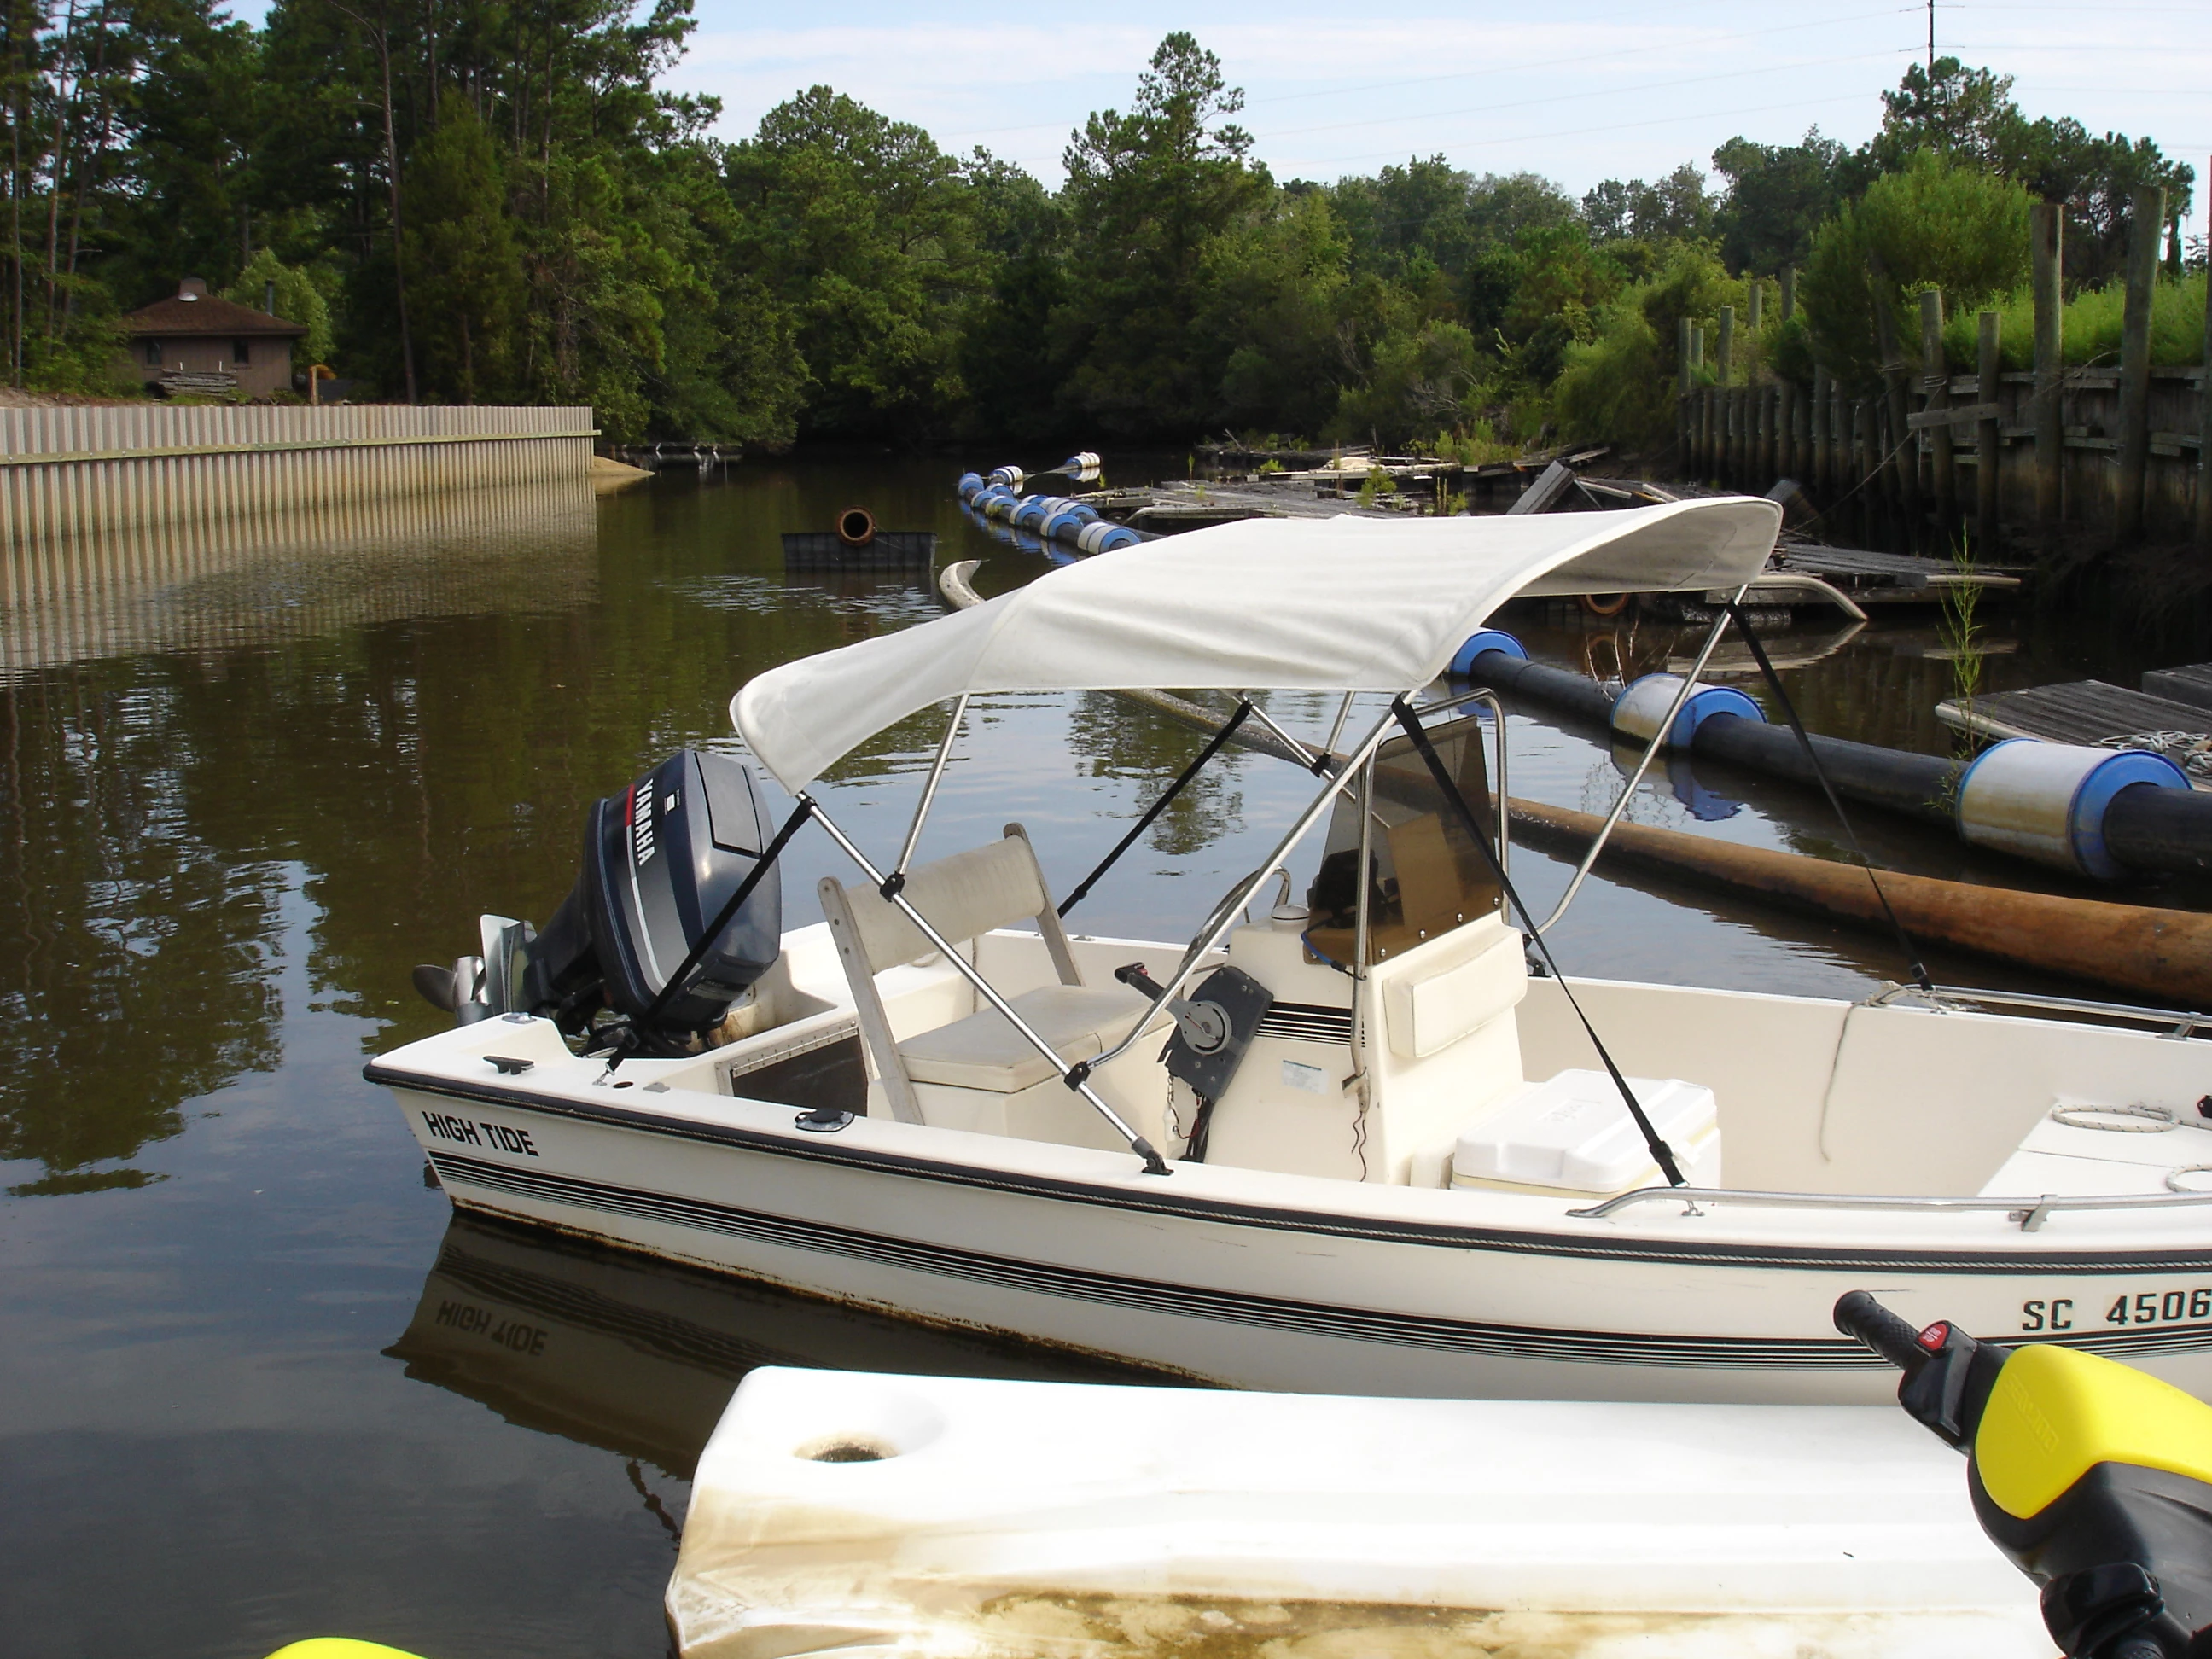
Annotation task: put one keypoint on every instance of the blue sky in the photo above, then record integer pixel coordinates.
(1577, 90)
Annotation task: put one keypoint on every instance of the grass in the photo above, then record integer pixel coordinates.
(2091, 323)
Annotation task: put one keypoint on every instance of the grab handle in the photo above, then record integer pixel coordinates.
(1858, 1314)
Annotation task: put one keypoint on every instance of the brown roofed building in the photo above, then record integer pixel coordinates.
(196, 342)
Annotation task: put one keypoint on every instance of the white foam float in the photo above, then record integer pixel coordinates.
(860, 1514)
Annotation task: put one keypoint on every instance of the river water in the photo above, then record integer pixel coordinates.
(255, 1383)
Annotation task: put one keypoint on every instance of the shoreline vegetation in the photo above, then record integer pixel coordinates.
(466, 203)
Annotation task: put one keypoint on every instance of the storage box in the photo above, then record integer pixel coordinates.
(1574, 1134)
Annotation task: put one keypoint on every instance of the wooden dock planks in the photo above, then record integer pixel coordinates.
(2089, 712)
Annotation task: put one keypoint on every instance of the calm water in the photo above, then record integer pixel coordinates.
(255, 1383)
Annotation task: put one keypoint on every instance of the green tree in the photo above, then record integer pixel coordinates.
(1779, 195)
(1935, 224)
(1147, 191)
(462, 248)
(867, 231)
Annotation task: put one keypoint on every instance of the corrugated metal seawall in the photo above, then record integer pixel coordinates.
(69, 471)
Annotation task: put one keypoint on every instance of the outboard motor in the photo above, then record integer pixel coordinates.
(660, 861)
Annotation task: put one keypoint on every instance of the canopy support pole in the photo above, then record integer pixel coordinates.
(1074, 1076)
(1224, 914)
(1158, 807)
(897, 877)
(1316, 761)
(1644, 764)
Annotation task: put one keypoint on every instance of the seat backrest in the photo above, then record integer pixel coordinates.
(968, 893)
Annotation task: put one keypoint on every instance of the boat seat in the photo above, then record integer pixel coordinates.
(985, 1052)
(964, 896)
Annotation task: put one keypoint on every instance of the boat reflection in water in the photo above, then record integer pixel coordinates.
(639, 1357)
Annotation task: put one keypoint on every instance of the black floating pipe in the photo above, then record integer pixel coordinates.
(2153, 831)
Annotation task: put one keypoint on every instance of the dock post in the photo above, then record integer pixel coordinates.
(1800, 430)
(1936, 384)
(1755, 309)
(2145, 224)
(1819, 468)
(1863, 452)
(1725, 351)
(1839, 438)
(2046, 223)
(1682, 392)
(1989, 440)
(1901, 458)
(2204, 432)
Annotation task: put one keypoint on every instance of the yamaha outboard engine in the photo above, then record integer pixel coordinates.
(660, 861)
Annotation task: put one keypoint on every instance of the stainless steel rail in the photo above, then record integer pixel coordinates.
(2184, 1024)
(2028, 1210)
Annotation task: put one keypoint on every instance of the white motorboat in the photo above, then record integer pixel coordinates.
(1345, 1144)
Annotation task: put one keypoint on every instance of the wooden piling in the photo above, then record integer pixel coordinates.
(1936, 399)
(1900, 462)
(1863, 452)
(1682, 391)
(2146, 223)
(1841, 478)
(1818, 436)
(1724, 352)
(1989, 442)
(1800, 433)
(2046, 223)
(1754, 308)
(2204, 431)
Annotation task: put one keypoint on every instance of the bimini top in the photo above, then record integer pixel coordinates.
(1328, 605)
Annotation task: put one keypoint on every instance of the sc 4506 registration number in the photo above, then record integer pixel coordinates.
(2139, 1308)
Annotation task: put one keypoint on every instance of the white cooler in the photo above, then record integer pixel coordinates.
(1573, 1135)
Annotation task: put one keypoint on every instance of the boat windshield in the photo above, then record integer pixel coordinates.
(1424, 877)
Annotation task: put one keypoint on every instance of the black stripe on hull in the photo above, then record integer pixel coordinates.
(1158, 1196)
(1427, 1333)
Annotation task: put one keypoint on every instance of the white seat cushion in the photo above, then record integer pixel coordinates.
(985, 1052)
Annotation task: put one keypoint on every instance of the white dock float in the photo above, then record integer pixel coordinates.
(857, 1514)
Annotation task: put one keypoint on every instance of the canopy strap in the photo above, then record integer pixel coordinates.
(1904, 944)
(1661, 1153)
(1243, 709)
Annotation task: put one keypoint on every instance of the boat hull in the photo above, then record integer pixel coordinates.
(1271, 1282)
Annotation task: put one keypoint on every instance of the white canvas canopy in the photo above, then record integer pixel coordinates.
(1328, 605)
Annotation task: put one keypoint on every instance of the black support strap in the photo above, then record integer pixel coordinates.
(1212, 749)
(1904, 944)
(1661, 1153)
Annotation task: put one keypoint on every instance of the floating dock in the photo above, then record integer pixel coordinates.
(1873, 577)
(2100, 715)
